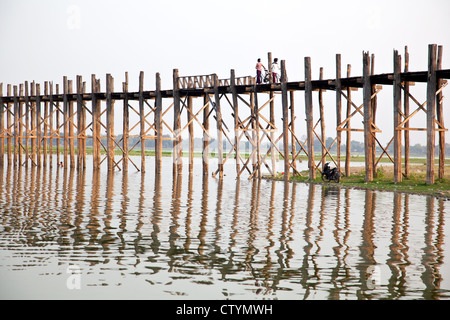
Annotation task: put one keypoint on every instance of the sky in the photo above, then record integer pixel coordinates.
(48, 39)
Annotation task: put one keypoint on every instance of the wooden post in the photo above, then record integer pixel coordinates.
(440, 117)
(257, 133)
(71, 136)
(58, 111)
(431, 111)
(65, 119)
(373, 103)
(219, 124)
(397, 113)
(50, 131)
(44, 140)
(309, 119)
(191, 132)
(367, 90)
(125, 125)
(2, 126)
(338, 112)
(8, 125)
(29, 127)
(293, 140)
(205, 155)
(16, 125)
(236, 119)
(177, 148)
(322, 121)
(20, 122)
(110, 122)
(349, 134)
(158, 119)
(273, 150)
(285, 108)
(96, 142)
(142, 118)
(80, 126)
(38, 132)
(406, 112)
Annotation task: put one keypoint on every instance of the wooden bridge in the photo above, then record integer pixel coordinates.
(38, 123)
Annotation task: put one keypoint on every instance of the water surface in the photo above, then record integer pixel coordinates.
(141, 236)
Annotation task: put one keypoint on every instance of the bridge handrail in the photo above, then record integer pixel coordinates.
(207, 81)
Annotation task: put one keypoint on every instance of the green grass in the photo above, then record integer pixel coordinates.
(416, 183)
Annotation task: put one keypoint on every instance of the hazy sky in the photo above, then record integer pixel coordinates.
(48, 39)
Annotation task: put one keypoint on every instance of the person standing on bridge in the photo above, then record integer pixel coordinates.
(259, 68)
(276, 71)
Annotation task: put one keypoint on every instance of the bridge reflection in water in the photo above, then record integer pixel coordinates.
(192, 236)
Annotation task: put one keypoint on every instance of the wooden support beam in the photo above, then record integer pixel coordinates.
(125, 125)
(70, 123)
(309, 119)
(431, 111)
(397, 112)
(45, 123)
(338, 110)
(440, 117)
(273, 151)
(96, 125)
(322, 120)
(293, 137)
(38, 132)
(142, 119)
(158, 125)
(81, 152)
(2, 127)
(16, 125)
(20, 125)
(406, 112)
(235, 106)
(285, 108)
(189, 114)
(205, 152)
(110, 145)
(219, 125)
(9, 124)
(367, 90)
(348, 133)
(177, 149)
(29, 126)
(373, 104)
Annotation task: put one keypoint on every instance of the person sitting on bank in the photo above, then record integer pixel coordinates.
(259, 68)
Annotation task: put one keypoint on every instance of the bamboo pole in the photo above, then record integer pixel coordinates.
(397, 112)
(431, 111)
(309, 119)
(367, 90)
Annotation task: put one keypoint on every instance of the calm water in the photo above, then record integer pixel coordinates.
(66, 234)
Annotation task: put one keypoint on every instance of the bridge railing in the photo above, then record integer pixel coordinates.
(207, 81)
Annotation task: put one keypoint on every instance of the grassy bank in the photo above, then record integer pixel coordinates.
(383, 181)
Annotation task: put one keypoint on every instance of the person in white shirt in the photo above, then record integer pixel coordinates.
(276, 71)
